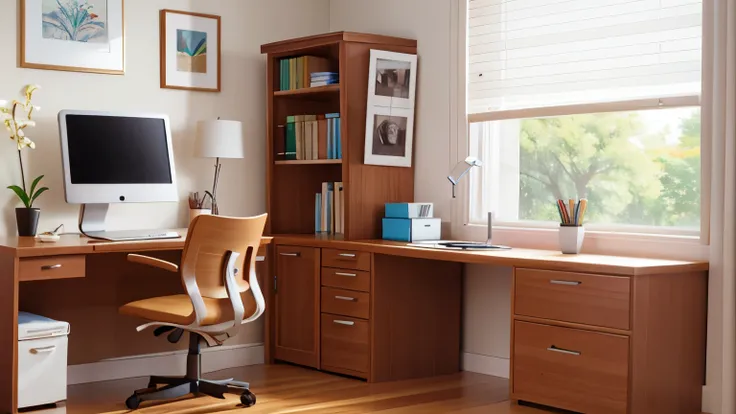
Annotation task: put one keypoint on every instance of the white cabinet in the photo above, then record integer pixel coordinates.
(42, 357)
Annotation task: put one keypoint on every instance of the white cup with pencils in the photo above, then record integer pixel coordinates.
(572, 231)
(197, 206)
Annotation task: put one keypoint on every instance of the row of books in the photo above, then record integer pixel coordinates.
(324, 79)
(296, 73)
(313, 137)
(329, 209)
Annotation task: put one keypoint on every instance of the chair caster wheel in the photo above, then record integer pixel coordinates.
(133, 402)
(247, 398)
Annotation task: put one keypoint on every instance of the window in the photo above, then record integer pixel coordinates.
(595, 99)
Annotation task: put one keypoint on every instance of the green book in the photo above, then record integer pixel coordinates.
(299, 71)
(290, 147)
(292, 74)
(282, 74)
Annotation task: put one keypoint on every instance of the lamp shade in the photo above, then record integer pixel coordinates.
(219, 139)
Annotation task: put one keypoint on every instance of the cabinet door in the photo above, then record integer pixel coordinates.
(297, 305)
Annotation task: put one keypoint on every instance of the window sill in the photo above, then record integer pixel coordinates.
(596, 242)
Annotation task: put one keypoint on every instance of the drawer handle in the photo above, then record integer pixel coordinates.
(289, 254)
(51, 267)
(347, 298)
(565, 282)
(260, 258)
(563, 351)
(44, 350)
(347, 255)
(345, 274)
(346, 323)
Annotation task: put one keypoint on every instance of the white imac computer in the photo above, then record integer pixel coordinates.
(116, 158)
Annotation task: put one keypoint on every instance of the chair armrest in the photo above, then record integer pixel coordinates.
(152, 261)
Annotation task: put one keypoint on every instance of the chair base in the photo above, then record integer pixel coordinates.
(169, 388)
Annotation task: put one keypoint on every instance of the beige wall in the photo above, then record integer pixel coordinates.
(486, 304)
(246, 24)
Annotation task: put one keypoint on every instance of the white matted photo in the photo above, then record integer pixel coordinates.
(73, 35)
(392, 79)
(190, 51)
(389, 136)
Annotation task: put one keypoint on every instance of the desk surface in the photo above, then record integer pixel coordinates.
(74, 244)
(538, 259)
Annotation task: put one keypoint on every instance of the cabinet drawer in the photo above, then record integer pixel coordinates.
(570, 368)
(346, 279)
(345, 302)
(345, 346)
(52, 267)
(573, 297)
(346, 259)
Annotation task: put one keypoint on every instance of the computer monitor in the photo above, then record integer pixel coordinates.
(115, 158)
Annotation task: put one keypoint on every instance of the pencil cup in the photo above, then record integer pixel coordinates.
(571, 239)
(194, 212)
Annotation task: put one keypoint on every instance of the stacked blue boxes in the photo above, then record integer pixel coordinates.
(411, 222)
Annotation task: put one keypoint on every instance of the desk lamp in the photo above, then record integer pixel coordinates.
(460, 170)
(219, 139)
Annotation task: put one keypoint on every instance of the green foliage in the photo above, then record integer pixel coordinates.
(29, 198)
(628, 176)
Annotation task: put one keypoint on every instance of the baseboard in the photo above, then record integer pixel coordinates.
(484, 364)
(167, 363)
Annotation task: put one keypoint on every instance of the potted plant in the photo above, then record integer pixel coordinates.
(17, 117)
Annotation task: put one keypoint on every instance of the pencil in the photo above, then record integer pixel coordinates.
(571, 205)
(583, 209)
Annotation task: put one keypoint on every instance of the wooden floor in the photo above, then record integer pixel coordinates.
(288, 389)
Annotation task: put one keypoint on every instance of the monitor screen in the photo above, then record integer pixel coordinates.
(117, 150)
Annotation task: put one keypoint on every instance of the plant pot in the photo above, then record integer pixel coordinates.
(27, 220)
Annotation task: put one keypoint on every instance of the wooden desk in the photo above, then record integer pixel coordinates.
(589, 333)
(27, 259)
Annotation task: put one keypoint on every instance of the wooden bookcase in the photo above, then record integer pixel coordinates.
(291, 185)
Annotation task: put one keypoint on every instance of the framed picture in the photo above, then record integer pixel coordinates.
(389, 132)
(393, 79)
(190, 51)
(389, 136)
(73, 35)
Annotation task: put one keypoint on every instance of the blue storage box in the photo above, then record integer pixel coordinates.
(409, 210)
(412, 230)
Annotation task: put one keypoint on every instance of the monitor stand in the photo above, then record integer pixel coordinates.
(92, 224)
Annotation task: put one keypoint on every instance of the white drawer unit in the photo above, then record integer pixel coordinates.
(42, 359)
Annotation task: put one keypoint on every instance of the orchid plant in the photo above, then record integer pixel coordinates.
(17, 116)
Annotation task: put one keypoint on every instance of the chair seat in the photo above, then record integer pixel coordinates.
(178, 309)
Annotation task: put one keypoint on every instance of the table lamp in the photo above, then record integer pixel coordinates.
(219, 139)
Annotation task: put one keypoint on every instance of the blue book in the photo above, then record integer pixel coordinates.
(333, 115)
(329, 139)
(333, 147)
(313, 74)
(318, 213)
(339, 139)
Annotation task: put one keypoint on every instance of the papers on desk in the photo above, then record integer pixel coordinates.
(439, 244)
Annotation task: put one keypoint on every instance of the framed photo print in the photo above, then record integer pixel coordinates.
(389, 136)
(73, 35)
(393, 79)
(389, 132)
(190, 51)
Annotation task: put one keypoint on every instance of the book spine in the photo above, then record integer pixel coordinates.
(323, 209)
(338, 129)
(315, 140)
(331, 209)
(292, 71)
(290, 144)
(329, 139)
(317, 212)
(322, 139)
(307, 140)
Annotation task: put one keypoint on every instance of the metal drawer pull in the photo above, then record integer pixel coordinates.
(349, 299)
(565, 282)
(346, 323)
(563, 351)
(349, 255)
(260, 258)
(44, 350)
(345, 274)
(289, 254)
(51, 267)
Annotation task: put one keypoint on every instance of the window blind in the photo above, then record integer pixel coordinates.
(536, 53)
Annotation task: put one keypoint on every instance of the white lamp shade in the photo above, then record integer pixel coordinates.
(223, 139)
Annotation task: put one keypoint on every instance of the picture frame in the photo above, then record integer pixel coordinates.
(93, 41)
(188, 59)
(393, 79)
(389, 134)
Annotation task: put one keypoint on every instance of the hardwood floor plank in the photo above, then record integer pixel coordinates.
(283, 389)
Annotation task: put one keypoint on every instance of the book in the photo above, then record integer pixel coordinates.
(299, 127)
(292, 71)
(308, 140)
(315, 139)
(331, 135)
(318, 212)
(338, 207)
(299, 72)
(317, 84)
(331, 209)
(281, 74)
(290, 144)
(322, 138)
(338, 139)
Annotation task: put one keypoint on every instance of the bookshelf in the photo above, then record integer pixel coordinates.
(291, 185)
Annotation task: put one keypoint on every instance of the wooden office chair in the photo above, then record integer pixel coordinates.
(218, 254)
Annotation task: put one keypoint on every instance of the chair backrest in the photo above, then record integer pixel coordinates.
(209, 240)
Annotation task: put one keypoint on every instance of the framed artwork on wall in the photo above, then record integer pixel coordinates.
(73, 35)
(190, 51)
(389, 134)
